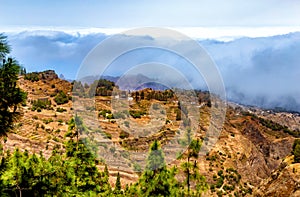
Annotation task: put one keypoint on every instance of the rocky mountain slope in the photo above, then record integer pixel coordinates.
(254, 146)
(284, 181)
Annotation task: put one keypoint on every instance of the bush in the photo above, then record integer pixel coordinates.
(123, 135)
(47, 121)
(55, 139)
(61, 110)
(32, 76)
(220, 182)
(127, 124)
(53, 94)
(137, 167)
(155, 106)
(112, 149)
(136, 114)
(296, 150)
(110, 116)
(104, 112)
(41, 104)
(178, 114)
(120, 115)
(108, 135)
(61, 98)
(220, 172)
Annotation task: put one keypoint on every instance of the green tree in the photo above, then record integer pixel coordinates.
(156, 159)
(71, 173)
(118, 182)
(157, 180)
(190, 167)
(118, 188)
(79, 162)
(4, 47)
(10, 95)
(296, 150)
(15, 177)
(61, 98)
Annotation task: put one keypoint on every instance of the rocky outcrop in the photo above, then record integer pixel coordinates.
(285, 181)
(48, 75)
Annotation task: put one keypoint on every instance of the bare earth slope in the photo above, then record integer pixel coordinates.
(255, 151)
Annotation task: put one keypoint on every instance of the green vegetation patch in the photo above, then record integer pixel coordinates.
(296, 150)
(41, 104)
(34, 76)
(61, 98)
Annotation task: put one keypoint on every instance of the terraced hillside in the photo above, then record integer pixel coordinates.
(249, 149)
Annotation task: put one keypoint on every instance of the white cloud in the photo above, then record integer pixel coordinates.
(257, 69)
(216, 33)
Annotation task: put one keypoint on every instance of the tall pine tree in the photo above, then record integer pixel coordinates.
(157, 180)
(10, 94)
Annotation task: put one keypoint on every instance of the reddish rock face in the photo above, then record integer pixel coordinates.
(48, 75)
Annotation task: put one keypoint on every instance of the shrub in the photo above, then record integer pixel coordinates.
(137, 167)
(112, 149)
(40, 104)
(61, 110)
(136, 114)
(155, 106)
(220, 172)
(220, 182)
(110, 116)
(296, 150)
(119, 115)
(123, 135)
(47, 121)
(127, 124)
(55, 139)
(53, 94)
(104, 112)
(61, 98)
(32, 76)
(108, 135)
(178, 114)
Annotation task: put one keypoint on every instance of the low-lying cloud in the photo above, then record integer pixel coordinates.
(256, 71)
(260, 71)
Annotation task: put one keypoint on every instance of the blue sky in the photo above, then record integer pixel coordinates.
(136, 13)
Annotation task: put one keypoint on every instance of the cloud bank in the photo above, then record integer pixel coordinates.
(262, 71)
